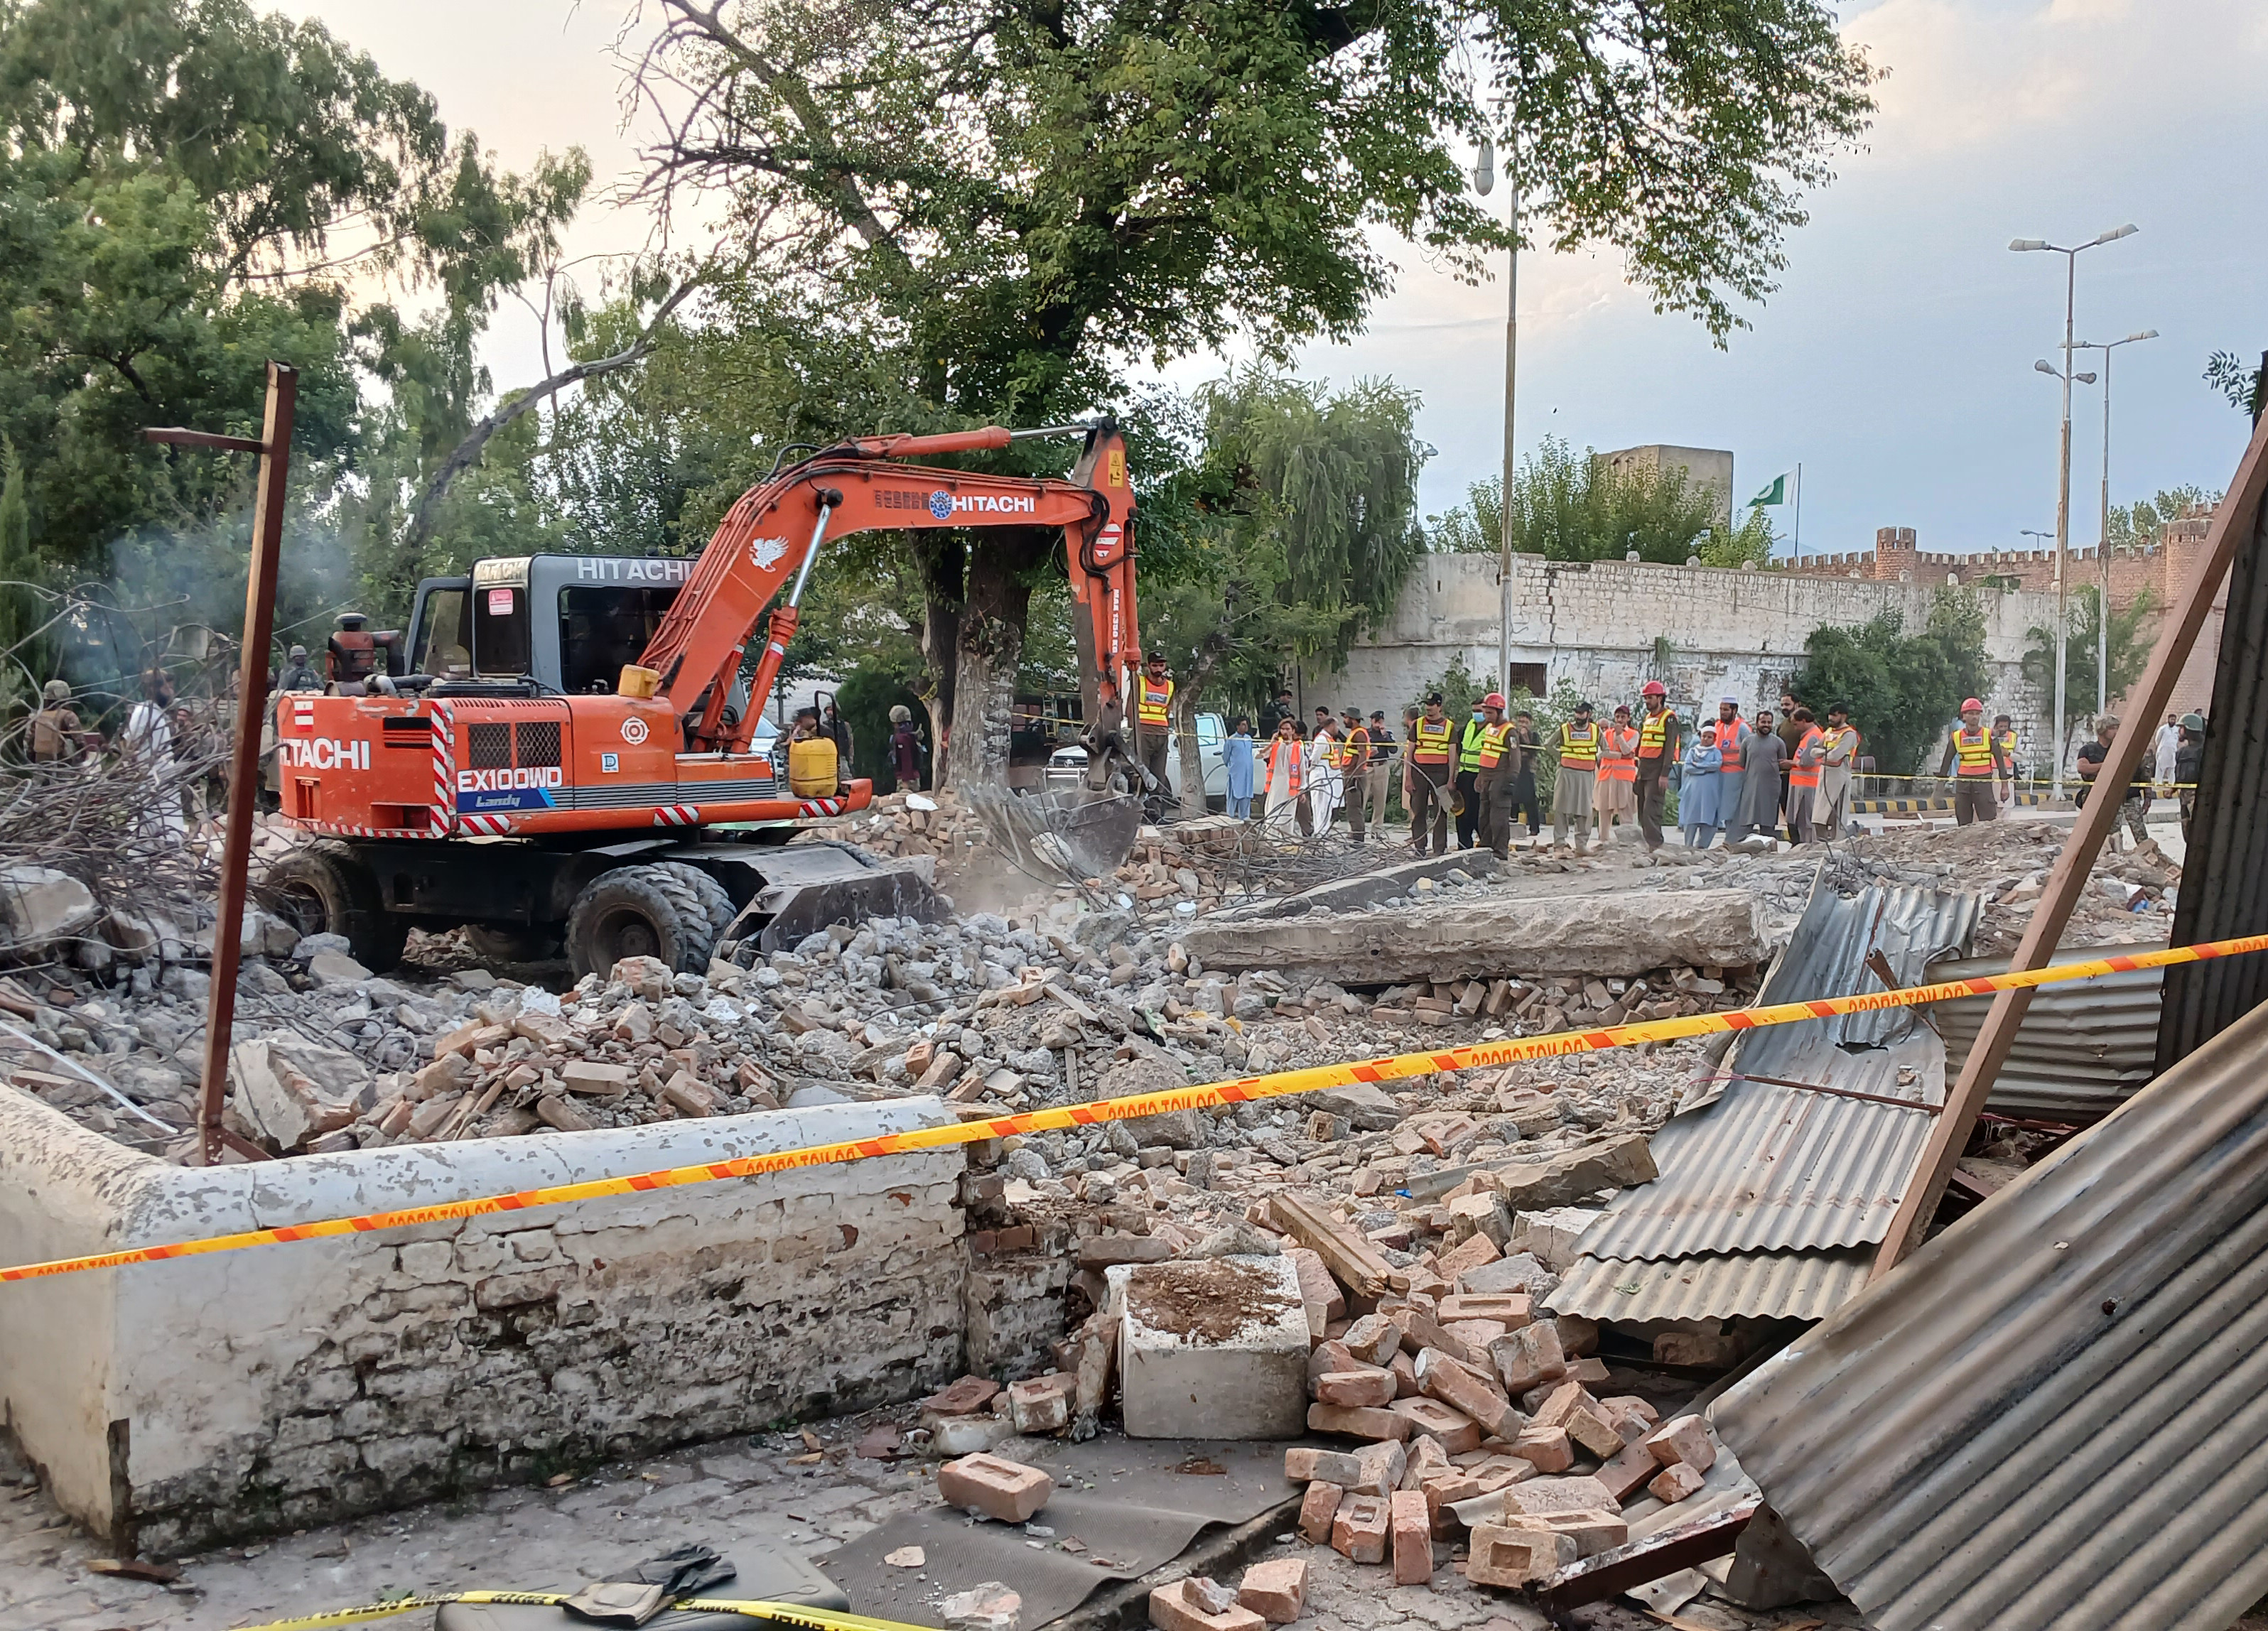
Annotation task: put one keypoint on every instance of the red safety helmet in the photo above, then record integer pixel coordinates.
(1973, 702)
(1494, 699)
(1653, 688)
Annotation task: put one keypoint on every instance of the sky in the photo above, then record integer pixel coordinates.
(1895, 361)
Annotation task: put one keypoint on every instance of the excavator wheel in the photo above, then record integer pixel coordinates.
(324, 889)
(639, 911)
(714, 901)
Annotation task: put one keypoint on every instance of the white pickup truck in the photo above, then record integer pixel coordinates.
(1067, 765)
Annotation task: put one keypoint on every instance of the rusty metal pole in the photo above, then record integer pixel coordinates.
(275, 450)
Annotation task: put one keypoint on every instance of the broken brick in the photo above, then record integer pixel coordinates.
(965, 1397)
(1593, 1530)
(1382, 1464)
(1303, 1465)
(1595, 1434)
(1041, 1405)
(1177, 1608)
(1454, 1386)
(1359, 1422)
(1630, 1470)
(1372, 1338)
(1317, 1510)
(1452, 1428)
(1368, 1385)
(1502, 1556)
(1276, 1589)
(994, 1487)
(1361, 1527)
(1413, 1528)
(1675, 1484)
(1683, 1440)
(1529, 1357)
(1545, 1448)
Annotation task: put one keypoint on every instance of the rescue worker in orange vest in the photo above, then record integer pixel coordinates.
(1153, 735)
(1733, 734)
(1577, 778)
(1616, 797)
(1498, 751)
(1803, 777)
(1432, 745)
(1354, 768)
(1661, 743)
(1281, 787)
(1973, 757)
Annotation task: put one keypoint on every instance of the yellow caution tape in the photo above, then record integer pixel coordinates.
(775, 1613)
(1281, 1084)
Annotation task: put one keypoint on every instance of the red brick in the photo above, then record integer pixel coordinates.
(1453, 1430)
(1276, 1591)
(1358, 1422)
(1675, 1484)
(966, 1397)
(1685, 1439)
(1630, 1404)
(1413, 1538)
(1368, 1385)
(1559, 1407)
(1476, 1251)
(1382, 1466)
(1303, 1465)
(1630, 1471)
(1510, 1557)
(1509, 1309)
(1405, 1376)
(1174, 1608)
(1372, 1338)
(1595, 1434)
(1330, 1356)
(1500, 1470)
(1529, 1357)
(1594, 1530)
(995, 1488)
(1443, 1492)
(1317, 1510)
(1427, 1459)
(1454, 1386)
(1542, 1496)
(1041, 1405)
(1358, 1529)
(1577, 1334)
(1545, 1448)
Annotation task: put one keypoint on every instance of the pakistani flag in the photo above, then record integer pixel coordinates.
(1776, 494)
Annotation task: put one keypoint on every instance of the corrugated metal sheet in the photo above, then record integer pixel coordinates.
(2056, 1413)
(1763, 1285)
(2082, 1049)
(1761, 1166)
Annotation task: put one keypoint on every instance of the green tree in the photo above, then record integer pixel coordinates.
(1009, 202)
(2143, 522)
(1568, 506)
(2246, 388)
(19, 570)
(1903, 688)
(2129, 643)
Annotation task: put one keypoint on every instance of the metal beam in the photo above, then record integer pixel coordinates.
(2234, 521)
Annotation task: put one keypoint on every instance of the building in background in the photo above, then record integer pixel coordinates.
(1707, 469)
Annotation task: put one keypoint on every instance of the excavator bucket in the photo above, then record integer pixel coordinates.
(1075, 835)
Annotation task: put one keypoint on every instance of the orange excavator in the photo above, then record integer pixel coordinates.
(512, 780)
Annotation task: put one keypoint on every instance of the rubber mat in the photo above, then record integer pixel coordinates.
(1124, 1505)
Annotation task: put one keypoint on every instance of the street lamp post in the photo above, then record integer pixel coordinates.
(1483, 182)
(2070, 254)
(2103, 612)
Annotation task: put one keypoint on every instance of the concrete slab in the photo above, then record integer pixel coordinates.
(1214, 1349)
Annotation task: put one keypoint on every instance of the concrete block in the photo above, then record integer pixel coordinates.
(1361, 1528)
(1213, 1348)
(1276, 1591)
(1317, 1510)
(1511, 1558)
(1412, 1533)
(993, 1488)
(1686, 1440)
(1674, 1484)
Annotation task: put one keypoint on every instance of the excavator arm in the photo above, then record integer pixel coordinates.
(775, 534)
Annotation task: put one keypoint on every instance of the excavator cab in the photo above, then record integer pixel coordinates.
(564, 624)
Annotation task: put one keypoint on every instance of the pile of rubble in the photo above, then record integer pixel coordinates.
(902, 824)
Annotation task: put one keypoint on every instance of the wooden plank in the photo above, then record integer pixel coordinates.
(2238, 514)
(1665, 1552)
(1352, 1259)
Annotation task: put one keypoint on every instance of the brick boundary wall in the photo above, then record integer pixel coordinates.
(176, 1406)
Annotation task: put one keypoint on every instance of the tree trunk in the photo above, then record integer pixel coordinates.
(991, 648)
(1184, 719)
(943, 561)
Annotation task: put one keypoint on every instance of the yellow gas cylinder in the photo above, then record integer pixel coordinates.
(813, 771)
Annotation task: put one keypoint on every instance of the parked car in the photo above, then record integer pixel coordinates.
(1067, 766)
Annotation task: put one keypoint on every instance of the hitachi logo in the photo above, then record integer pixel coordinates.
(324, 752)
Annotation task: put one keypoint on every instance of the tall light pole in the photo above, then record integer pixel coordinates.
(1483, 182)
(2102, 550)
(2070, 254)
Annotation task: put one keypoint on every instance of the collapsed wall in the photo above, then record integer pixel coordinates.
(173, 1405)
